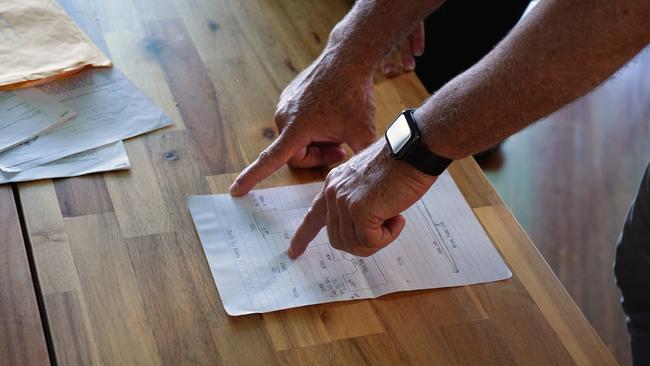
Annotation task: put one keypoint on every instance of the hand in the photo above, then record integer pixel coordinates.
(325, 106)
(412, 46)
(361, 203)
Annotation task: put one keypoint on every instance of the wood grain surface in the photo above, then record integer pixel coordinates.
(122, 271)
(22, 339)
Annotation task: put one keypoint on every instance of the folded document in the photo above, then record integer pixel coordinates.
(245, 241)
(108, 107)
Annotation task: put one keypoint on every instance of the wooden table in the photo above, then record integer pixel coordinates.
(121, 273)
(22, 339)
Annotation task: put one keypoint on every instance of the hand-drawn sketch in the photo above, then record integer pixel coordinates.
(339, 273)
(443, 243)
(245, 241)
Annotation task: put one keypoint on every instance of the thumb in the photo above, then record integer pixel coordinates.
(310, 226)
(359, 143)
(317, 155)
(270, 159)
(391, 229)
(380, 234)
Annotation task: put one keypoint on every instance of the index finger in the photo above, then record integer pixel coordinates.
(310, 226)
(270, 159)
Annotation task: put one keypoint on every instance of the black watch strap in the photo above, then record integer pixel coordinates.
(412, 150)
(425, 161)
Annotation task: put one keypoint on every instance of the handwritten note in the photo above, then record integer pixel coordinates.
(245, 241)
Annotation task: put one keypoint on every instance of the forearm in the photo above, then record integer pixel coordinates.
(562, 50)
(372, 28)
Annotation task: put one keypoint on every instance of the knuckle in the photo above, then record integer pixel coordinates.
(342, 200)
(280, 115)
(266, 156)
(334, 177)
(356, 208)
(332, 174)
(330, 192)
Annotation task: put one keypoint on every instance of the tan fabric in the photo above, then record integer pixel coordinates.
(39, 42)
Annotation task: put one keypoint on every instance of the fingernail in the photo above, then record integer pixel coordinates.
(409, 65)
(290, 252)
(234, 187)
(388, 69)
(418, 52)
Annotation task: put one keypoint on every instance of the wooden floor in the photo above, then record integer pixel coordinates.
(569, 180)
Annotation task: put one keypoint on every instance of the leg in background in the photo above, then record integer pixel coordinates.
(632, 269)
(460, 33)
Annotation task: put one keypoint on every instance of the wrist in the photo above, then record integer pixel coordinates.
(405, 142)
(340, 67)
(349, 52)
(402, 169)
(431, 137)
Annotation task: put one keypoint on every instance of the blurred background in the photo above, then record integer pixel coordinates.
(569, 180)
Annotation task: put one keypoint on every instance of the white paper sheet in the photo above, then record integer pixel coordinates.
(245, 241)
(105, 158)
(26, 113)
(109, 108)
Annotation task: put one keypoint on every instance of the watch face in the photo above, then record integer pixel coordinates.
(398, 134)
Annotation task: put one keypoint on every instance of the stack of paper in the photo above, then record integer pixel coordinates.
(72, 126)
(62, 122)
(26, 113)
(105, 158)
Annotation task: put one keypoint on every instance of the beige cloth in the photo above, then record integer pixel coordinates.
(39, 43)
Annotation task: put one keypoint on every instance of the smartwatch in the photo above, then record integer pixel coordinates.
(403, 137)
